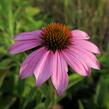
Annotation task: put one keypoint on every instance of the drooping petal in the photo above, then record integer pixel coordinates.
(21, 46)
(78, 34)
(74, 63)
(42, 71)
(86, 45)
(59, 76)
(34, 35)
(75, 54)
(29, 64)
(87, 56)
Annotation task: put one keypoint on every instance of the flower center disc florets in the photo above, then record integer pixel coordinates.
(56, 36)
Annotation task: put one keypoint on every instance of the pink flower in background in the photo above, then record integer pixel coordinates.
(56, 48)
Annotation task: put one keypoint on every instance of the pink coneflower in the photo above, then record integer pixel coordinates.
(56, 48)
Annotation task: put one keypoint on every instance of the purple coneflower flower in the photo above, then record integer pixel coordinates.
(56, 48)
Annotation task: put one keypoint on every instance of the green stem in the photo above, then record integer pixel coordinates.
(53, 96)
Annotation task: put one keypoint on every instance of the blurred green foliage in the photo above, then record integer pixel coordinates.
(17, 16)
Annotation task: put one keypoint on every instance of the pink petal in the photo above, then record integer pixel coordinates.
(42, 71)
(75, 63)
(88, 57)
(59, 76)
(28, 35)
(29, 64)
(81, 60)
(78, 34)
(22, 46)
(86, 45)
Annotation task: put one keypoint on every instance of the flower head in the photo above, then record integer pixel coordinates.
(56, 47)
(56, 36)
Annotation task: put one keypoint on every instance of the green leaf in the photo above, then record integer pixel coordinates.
(102, 92)
(80, 105)
(74, 79)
